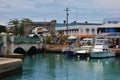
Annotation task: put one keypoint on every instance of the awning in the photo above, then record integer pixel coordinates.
(72, 37)
(39, 29)
(85, 35)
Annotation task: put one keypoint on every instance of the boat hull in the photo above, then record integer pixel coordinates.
(101, 54)
(69, 52)
(83, 54)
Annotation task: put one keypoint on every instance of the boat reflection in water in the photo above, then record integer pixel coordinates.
(94, 69)
(60, 67)
(103, 60)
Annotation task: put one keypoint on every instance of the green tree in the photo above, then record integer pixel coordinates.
(2, 28)
(19, 25)
(24, 22)
(15, 22)
(61, 33)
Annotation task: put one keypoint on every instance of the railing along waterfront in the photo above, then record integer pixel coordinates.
(26, 40)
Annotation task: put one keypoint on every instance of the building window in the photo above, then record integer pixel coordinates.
(87, 30)
(81, 30)
(93, 30)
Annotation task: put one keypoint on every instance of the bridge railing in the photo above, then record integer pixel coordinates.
(26, 40)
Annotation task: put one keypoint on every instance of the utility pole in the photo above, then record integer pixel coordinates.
(67, 21)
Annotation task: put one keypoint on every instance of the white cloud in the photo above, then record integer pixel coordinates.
(7, 5)
(109, 4)
(101, 4)
(54, 9)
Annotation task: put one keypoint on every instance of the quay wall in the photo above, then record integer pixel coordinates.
(10, 66)
(58, 49)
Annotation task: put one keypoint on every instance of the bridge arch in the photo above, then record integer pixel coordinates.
(32, 50)
(28, 27)
(20, 50)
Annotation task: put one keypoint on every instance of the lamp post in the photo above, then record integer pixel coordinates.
(67, 21)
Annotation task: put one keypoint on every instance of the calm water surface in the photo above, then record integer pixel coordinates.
(60, 67)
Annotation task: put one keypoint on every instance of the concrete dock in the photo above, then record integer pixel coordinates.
(19, 56)
(10, 66)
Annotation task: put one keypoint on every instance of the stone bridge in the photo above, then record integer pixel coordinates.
(11, 44)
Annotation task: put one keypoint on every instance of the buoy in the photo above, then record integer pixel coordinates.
(78, 56)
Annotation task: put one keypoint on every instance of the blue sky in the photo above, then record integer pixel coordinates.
(47, 10)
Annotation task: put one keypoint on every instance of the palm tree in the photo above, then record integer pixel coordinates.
(24, 22)
(15, 22)
(19, 25)
(2, 28)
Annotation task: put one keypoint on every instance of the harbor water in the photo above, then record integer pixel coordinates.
(61, 67)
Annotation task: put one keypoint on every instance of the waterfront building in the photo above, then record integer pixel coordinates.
(110, 31)
(110, 28)
(111, 20)
(79, 30)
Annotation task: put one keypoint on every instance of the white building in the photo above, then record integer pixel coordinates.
(110, 31)
(76, 29)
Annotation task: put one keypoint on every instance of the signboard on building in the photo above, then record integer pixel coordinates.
(111, 20)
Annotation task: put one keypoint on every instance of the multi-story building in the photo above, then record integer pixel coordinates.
(77, 29)
(111, 30)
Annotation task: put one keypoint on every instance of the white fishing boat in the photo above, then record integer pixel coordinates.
(101, 49)
(84, 51)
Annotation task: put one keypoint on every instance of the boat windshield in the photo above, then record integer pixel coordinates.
(101, 42)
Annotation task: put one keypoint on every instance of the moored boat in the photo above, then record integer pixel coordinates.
(84, 51)
(70, 50)
(101, 49)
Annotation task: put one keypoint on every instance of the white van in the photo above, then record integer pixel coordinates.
(88, 41)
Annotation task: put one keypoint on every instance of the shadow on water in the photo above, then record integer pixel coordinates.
(12, 77)
(33, 50)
